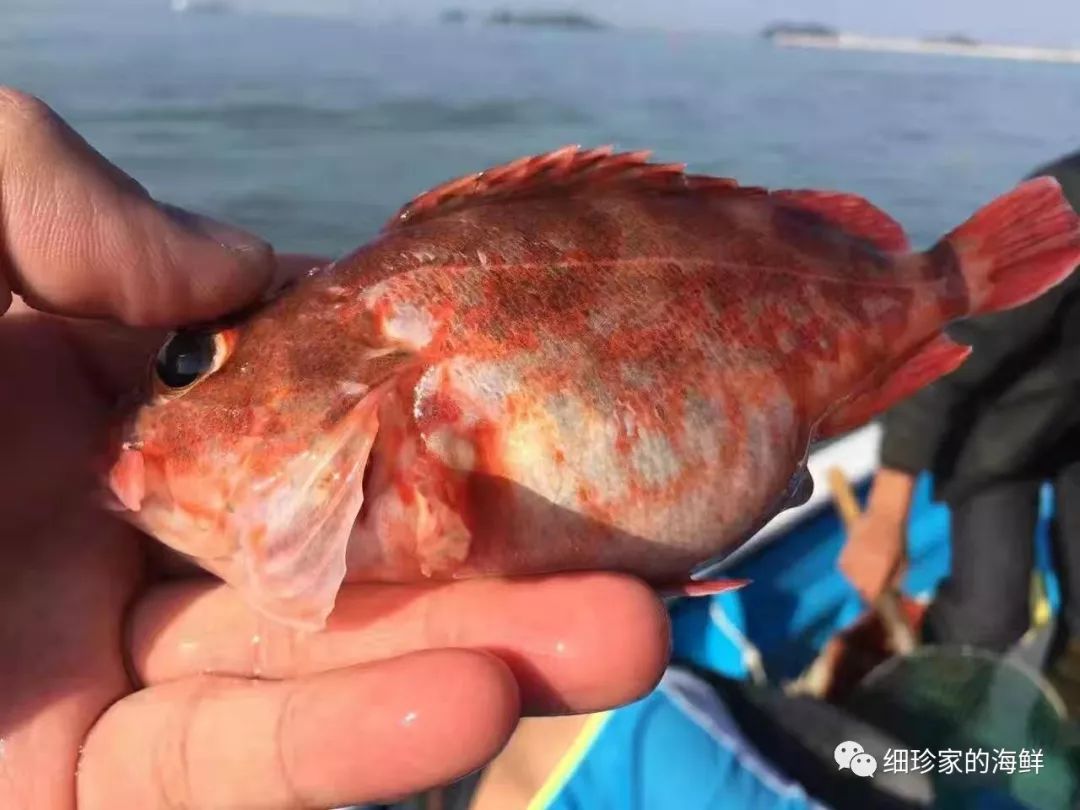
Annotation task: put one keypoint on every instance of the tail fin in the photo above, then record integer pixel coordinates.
(1017, 247)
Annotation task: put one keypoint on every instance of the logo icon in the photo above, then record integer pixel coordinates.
(863, 765)
(851, 755)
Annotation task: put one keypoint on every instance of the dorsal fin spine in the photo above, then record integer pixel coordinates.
(571, 167)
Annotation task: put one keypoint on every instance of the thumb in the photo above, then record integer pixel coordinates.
(78, 237)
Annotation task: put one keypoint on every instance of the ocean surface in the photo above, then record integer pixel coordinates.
(312, 132)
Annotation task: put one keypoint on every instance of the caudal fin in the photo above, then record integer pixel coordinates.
(1017, 247)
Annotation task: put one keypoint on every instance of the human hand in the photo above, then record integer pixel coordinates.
(874, 557)
(128, 680)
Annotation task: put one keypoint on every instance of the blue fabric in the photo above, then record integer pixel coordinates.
(799, 599)
(676, 749)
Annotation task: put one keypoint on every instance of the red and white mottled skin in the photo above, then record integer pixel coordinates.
(575, 361)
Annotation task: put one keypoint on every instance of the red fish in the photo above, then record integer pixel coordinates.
(580, 360)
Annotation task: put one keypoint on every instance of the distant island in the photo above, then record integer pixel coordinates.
(534, 19)
(806, 29)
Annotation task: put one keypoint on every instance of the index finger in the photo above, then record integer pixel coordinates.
(575, 642)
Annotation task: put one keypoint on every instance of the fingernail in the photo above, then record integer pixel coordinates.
(228, 236)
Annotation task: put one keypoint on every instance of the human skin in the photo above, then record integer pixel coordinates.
(874, 555)
(129, 679)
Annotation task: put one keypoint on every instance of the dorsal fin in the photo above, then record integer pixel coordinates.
(852, 214)
(558, 172)
(572, 168)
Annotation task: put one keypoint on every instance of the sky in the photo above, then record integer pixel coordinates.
(1045, 22)
(1031, 21)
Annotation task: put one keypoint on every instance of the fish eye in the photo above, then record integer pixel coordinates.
(190, 356)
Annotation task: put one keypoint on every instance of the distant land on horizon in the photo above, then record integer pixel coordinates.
(535, 19)
(815, 35)
(815, 29)
(798, 28)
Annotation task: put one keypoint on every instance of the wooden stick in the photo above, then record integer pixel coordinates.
(844, 496)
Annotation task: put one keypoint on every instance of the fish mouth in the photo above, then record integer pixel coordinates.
(127, 480)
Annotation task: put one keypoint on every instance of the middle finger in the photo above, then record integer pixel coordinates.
(575, 642)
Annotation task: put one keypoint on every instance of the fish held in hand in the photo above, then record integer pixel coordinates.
(579, 360)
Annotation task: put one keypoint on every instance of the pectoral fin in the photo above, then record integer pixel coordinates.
(290, 562)
(936, 359)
